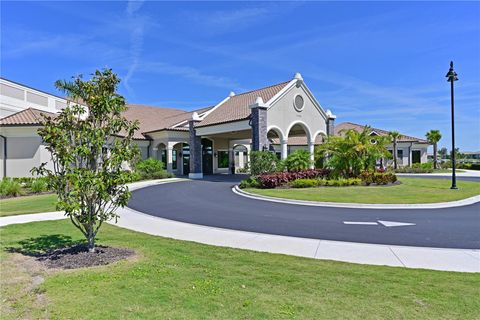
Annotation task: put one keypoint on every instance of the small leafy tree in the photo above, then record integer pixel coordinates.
(298, 160)
(88, 158)
(262, 162)
(433, 136)
(394, 135)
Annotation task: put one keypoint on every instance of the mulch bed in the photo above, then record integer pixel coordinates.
(78, 256)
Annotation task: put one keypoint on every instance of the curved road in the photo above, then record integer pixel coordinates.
(211, 202)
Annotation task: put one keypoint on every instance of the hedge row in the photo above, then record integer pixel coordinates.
(270, 181)
(310, 183)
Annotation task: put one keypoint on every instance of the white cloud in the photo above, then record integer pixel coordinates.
(136, 28)
(190, 73)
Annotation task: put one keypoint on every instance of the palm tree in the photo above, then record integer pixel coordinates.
(354, 151)
(433, 136)
(394, 135)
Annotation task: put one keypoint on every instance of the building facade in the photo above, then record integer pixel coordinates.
(217, 139)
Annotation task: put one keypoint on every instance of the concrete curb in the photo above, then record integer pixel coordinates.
(438, 205)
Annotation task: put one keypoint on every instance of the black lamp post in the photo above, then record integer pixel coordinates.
(452, 77)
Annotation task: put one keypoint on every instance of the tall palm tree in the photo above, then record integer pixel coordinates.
(394, 135)
(433, 136)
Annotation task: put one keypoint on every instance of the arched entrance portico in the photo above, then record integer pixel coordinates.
(240, 156)
(299, 138)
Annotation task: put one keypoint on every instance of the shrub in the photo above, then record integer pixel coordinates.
(262, 162)
(304, 183)
(39, 185)
(277, 179)
(9, 187)
(24, 181)
(417, 169)
(425, 166)
(366, 177)
(309, 183)
(251, 182)
(298, 160)
(378, 178)
(469, 166)
(152, 169)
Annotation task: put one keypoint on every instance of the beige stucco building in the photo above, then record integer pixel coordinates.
(216, 139)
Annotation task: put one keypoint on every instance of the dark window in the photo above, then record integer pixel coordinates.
(164, 158)
(400, 153)
(174, 159)
(416, 156)
(222, 159)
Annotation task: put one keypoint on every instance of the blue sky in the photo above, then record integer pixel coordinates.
(377, 63)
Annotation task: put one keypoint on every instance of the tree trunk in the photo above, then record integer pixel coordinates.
(435, 156)
(91, 238)
(91, 244)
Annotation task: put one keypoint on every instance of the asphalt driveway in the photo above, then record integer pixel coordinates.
(211, 202)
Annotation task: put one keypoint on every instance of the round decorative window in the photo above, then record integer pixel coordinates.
(298, 102)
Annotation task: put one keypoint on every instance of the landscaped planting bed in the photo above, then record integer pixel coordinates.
(315, 178)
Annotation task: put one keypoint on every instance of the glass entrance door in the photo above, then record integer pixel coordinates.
(186, 158)
(207, 156)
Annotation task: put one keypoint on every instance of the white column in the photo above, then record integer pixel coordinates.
(284, 147)
(240, 159)
(311, 150)
(169, 158)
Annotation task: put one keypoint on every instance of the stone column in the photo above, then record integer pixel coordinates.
(284, 146)
(195, 152)
(311, 150)
(259, 125)
(330, 123)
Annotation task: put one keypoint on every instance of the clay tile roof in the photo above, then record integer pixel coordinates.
(155, 119)
(25, 117)
(349, 125)
(237, 107)
(150, 118)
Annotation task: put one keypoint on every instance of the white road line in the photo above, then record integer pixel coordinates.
(361, 222)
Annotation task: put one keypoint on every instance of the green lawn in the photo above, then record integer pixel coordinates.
(173, 279)
(27, 204)
(411, 190)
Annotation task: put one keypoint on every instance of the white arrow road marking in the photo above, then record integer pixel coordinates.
(387, 224)
(395, 224)
(361, 222)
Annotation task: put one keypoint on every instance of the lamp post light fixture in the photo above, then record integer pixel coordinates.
(452, 77)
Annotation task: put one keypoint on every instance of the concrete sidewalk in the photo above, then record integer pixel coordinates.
(466, 173)
(460, 260)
